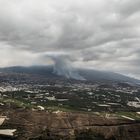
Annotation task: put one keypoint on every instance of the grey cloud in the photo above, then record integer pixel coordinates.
(129, 7)
(98, 34)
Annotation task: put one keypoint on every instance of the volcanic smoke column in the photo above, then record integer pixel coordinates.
(63, 67)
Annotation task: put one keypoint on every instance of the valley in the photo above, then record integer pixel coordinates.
(42, 107)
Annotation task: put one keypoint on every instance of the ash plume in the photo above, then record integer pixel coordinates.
(63, 67)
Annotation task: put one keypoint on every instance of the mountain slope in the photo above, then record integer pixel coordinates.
(94, 75)
(89, 75)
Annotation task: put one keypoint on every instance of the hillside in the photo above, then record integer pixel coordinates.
(86, 74)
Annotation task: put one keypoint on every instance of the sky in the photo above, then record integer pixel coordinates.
(95, 34)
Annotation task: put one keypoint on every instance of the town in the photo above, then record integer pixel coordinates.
(74, 96)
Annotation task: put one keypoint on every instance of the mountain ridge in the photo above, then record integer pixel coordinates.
(87, 74)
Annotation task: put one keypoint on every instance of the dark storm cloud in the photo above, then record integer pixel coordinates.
(98, 34)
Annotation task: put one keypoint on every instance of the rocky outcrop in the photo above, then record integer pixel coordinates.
(41, 125)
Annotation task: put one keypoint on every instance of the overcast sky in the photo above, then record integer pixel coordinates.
(97, 34)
